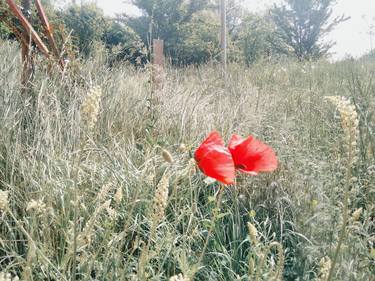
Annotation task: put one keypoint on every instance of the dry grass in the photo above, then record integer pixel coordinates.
(64, 180)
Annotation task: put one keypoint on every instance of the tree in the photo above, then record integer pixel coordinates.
(256, 38)
(4, 30)
(302, 24)
(198, 42)
(173, 21)
(124, 44)
(87, 23)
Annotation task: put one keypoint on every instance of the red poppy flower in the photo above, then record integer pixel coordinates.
(251, 156)
(215, 160)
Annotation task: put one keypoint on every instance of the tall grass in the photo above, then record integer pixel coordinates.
(98, 212)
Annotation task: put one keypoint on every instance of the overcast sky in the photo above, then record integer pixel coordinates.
(351, 36)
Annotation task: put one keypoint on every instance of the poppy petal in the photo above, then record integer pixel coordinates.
(252, 156)
(215, 160)
(213, 138)
(217, 163)
(234, 141)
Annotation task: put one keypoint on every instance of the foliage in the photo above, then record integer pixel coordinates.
(199, 41)
(302, 24)
(124, 44)
(87, 23)
(256, 38)
(34, 19)
(186, 27)
(4, 31)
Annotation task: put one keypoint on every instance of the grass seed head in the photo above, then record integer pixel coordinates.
(90, 108)
(357, 214)
(36, 206)
(4, 199)
(160, 199)
(118, 195)
(349, 123)
(167, 156)
(325, 266)
(178, 277)
(182, 148)
(102, 195)
(4, 276)
(253, 233)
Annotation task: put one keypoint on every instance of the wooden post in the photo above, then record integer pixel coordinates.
(158, 64)
(223, 35)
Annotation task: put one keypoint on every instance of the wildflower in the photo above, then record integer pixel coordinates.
(251, 156)
(215, 160)
(4, 199)
(160, 199)
(90, 107)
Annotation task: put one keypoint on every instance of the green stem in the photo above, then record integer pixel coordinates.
(219, 196)
(76, 207)
(30, 239)
(345, 214)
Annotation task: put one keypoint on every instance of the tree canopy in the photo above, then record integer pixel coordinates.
(190, 29)
(302, 24)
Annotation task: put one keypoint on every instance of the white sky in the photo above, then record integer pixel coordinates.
(351, 36)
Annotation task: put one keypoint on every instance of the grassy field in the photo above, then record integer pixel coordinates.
(107, 173)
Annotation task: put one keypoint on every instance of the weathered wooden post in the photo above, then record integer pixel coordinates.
(223, 35)
(158, 64)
